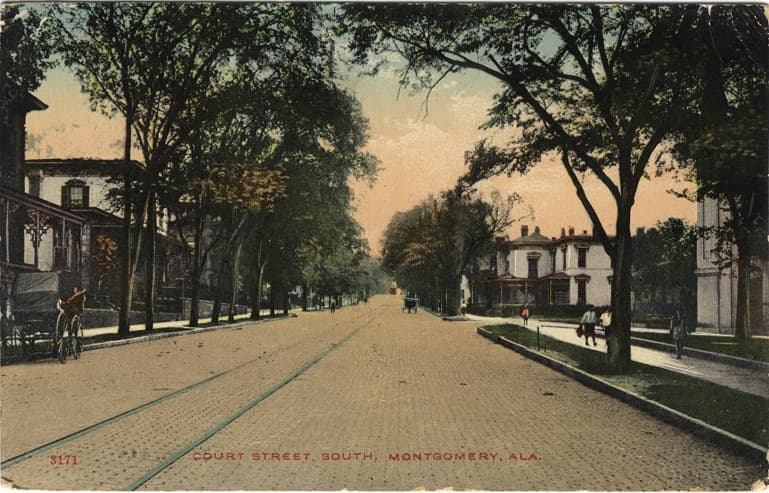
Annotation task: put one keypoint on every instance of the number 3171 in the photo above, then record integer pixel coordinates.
(64, 460)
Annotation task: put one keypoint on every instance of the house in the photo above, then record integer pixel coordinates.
(86, 187)
(717, 284)
(36, 235)
(573, 269)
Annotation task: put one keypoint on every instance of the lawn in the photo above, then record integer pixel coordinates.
(731, 410)
(755, 349)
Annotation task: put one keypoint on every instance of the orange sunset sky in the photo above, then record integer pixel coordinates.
(420, 155)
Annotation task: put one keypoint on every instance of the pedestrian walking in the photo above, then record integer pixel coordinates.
(587, 325)
(605, 322)
(463, 308)
(525, 314)
(678, 332)
(333, 305)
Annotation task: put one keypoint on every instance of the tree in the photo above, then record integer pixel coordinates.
(178, 56)
(723, 141)
(663, 268)
(102, 42)
(599, 86)
(104, 259)
(428, 248)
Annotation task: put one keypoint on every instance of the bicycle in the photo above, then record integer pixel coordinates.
(69, 327)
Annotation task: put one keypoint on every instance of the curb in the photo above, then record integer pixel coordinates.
(694, 425)
(700, 354)
(182, 331)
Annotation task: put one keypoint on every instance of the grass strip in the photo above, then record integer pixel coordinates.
(755, 349)
(738, 412)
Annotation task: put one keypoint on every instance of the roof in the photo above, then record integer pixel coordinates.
(557, 276)
(31, 103)
(536, 238)
(30, 201)
(82, 167)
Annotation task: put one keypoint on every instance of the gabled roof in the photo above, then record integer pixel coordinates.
(536, 238)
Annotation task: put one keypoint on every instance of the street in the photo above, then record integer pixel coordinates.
(367, 398)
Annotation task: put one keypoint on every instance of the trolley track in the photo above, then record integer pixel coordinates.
(243, 368)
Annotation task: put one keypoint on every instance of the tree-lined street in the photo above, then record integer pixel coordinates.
(352, 398)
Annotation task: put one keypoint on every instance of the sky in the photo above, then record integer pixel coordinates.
(419, 154)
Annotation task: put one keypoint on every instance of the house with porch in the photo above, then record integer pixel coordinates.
(572, 269)
(86, 187)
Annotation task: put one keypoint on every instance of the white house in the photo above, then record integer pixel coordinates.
(82, 186)
(571, 270)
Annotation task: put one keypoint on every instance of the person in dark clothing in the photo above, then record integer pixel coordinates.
(678, 331)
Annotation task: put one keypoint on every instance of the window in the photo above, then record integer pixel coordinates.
(563, 252)
(552, 260)
(74, 194)
(533, 271)
(62, 248)
(34, 185)
(581, 291)
(581, 257)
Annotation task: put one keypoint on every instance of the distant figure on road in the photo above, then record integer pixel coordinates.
(525, 314)
(463, 308)
(587, 325)
(333, 305)
(678, 331)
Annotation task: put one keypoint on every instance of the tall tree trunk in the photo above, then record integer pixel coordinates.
(286, 303)
(126, 270)
(197, 267)
(255, 301)
(742, 329)
(272, 300)
(224, 267)
(149, 295)
(619, 336)
(235, 272)
(305, 296)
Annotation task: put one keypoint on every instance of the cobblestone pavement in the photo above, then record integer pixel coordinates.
(407, 402)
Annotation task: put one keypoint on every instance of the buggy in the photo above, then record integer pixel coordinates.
(35, 325)
(410, 303)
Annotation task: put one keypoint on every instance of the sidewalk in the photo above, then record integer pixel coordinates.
(752, 381)
(90, 332)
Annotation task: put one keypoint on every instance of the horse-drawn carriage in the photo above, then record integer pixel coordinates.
(42, 321)
(410, 302)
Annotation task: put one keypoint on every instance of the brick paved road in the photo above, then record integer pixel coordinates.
(481, 416)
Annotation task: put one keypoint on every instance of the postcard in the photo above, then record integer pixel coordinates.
(265, 246)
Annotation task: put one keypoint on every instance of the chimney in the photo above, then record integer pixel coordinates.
(571, 231)
(563, 232)
(525, 230)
